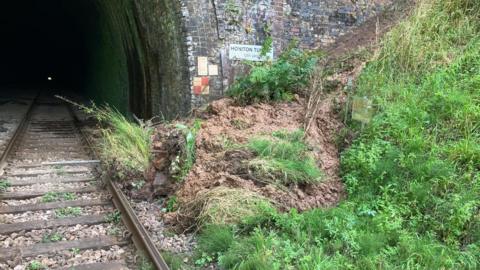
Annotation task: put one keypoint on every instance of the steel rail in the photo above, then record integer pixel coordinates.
(18, 131)
(140, 236)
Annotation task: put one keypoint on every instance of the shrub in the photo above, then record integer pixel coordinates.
(274, 81)
(186, 159)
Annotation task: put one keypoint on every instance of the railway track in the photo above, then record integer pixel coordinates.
(55, 210)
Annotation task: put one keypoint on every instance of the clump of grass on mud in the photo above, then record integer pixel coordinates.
(284, 158)
(223, 205)
(4, 184)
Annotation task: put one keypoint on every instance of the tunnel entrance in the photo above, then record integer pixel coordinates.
(99, 49)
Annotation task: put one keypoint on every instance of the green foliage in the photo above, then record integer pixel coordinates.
(284, 158)
(4, 184)
(274, 81)
(412, 175)
(174, 261)
(214, 240)
(114, 217)
(172, 204)
(68, 212)
(52, 237)
(187, 158)
(35, 265)
(126, 145)
(53, 196)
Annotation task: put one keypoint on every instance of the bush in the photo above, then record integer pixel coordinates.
(274, 81)
(283, 158)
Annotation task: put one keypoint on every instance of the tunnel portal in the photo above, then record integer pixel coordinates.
(98, 49)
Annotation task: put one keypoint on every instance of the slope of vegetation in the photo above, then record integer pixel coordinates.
(412, 175)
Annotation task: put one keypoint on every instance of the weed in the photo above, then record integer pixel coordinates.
(113, 231)
(144, 263)
(186, 159)
(174, 261)
(137, 185)
(4, 184)
(274, 81)
(75, 251)
(213, 241)
(114, 217)
(35, 265)
(283, 158)
(125, 144)
(68, 212)
(52, 196)
(172, 204)
(52, 237)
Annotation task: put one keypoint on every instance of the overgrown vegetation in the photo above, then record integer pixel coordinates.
(53, 196)
(283, 158)
(413, 173)
(274, 81)
(125, 145)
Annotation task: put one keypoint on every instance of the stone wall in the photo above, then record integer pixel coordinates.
(165, 57)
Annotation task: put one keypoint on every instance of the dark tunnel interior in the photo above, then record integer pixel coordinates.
(74, 45)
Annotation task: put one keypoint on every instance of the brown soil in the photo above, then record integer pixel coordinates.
(216, 166)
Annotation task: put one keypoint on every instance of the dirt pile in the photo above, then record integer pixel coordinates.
(219, 165)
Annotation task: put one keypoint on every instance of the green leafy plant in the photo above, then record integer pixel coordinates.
(68, 212)
(53, 196)
(35, 265)
(274, 81)
(172, 204)
(52, 237)
(185, 162)
(114, 217)
(4, 184)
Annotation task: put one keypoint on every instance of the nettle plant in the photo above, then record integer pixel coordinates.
(275, 81)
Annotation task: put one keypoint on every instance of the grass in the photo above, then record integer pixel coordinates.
(126, 145)
(284, 158)
(52, 196)
(223, 205)
(412, 175)
(68, 212)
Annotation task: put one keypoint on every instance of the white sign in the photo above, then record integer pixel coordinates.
(248, 52)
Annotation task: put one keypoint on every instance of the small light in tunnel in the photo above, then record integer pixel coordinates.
(49, 78)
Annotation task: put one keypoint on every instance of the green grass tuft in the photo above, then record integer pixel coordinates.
(283, 158)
